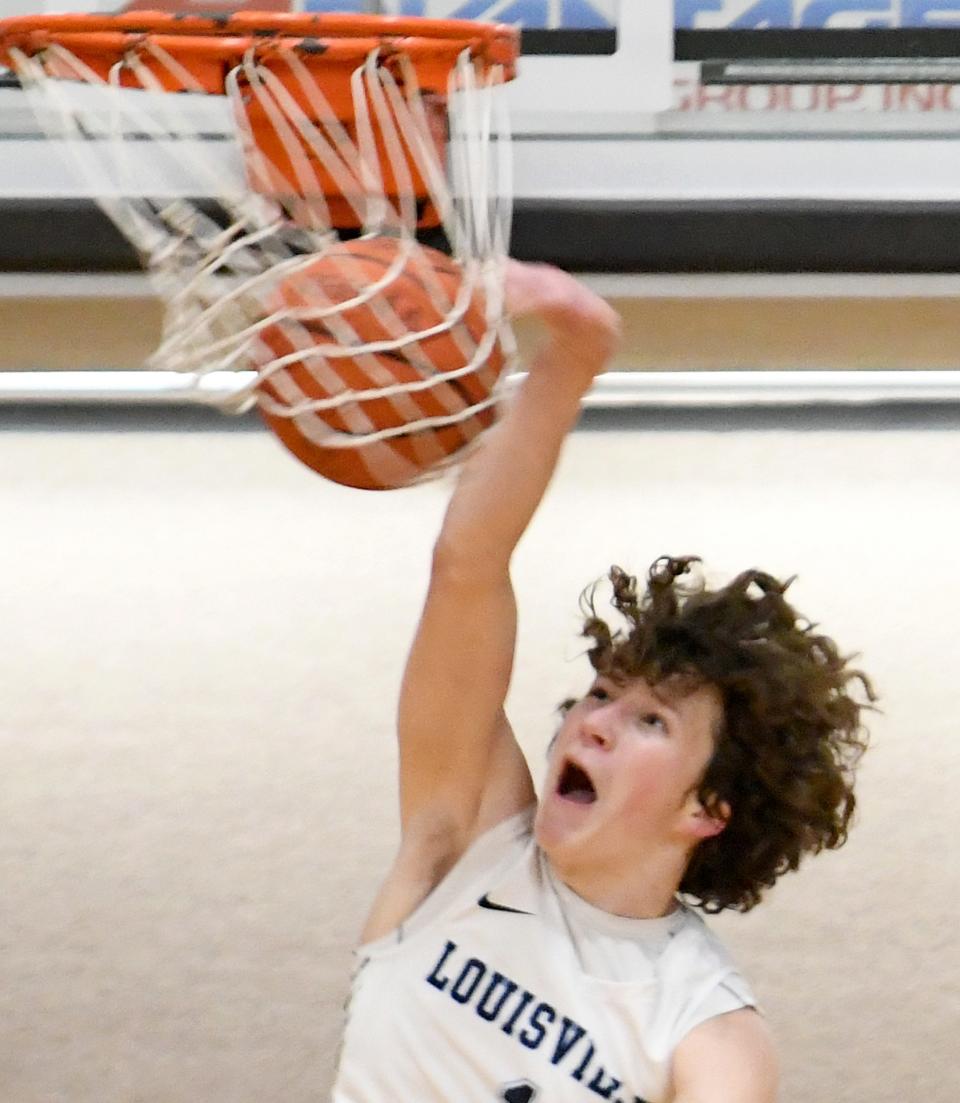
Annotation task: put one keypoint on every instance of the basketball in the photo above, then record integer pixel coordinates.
(370, 432)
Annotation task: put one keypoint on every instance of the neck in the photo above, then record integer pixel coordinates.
(648, 892)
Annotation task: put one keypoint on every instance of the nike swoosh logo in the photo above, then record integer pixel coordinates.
(486, 902)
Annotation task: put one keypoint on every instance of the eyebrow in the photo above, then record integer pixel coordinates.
(658, 697)
(668, 708)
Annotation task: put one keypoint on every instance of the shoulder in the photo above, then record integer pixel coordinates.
(698, 966)
(702, 984)
(730, 1058)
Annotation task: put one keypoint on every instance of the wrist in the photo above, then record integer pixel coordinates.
(585, 331)
(569, 366)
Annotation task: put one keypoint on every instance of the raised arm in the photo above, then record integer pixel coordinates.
(461, 770)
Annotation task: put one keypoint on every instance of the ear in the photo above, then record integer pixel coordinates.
(709, 822)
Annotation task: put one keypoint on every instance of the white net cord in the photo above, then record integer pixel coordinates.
(219, 276)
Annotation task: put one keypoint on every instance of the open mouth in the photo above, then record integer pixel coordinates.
(575, 785)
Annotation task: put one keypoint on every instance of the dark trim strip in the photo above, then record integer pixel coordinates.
(739, 236)
(61, 235)
(631, 237)
(774, 44)
(568, 42)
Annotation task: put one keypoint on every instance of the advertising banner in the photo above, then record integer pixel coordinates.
(814, 14)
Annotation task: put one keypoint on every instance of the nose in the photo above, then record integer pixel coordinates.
(597, 727)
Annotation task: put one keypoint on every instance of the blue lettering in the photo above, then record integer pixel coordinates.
(535, 1040)
(685, 12)
(820, 12)
(533, 15)
(508, 1026)
(765, 13)
(470, 976)
(438, 982)
(604, 1090)
(582, 1067)
(570, 1034)
(924, 13)
(509, 987)
(538, 1019)
(816, 14)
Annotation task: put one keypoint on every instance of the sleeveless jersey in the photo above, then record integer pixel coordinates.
(504, 985)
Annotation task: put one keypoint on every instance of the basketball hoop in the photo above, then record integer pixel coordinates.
(348, 127)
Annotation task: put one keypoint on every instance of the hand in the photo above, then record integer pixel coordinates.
(586, 330)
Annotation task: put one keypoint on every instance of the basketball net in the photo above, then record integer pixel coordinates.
(295, 180)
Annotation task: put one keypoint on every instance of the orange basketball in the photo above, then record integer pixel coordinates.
(417, 297)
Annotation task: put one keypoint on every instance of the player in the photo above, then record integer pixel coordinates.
(523, 952)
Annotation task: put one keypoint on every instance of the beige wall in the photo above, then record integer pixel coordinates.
(75, 334)
(784, 334)
(661, 334)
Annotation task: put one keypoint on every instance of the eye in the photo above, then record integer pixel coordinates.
(598, 693)
(653, 720)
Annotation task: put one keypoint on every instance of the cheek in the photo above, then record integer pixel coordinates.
(650, 776)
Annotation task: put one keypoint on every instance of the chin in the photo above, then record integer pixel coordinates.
(552, 834)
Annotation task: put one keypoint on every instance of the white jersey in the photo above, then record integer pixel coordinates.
(504, 985)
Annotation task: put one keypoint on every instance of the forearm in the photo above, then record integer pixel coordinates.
(504, 481)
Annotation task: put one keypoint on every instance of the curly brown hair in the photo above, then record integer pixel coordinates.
(791, 734)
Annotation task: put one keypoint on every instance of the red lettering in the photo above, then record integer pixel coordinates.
(922, 97)
(731, 97)
(682, 97)
(842, 95)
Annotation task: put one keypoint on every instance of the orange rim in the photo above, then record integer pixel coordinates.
(223, 37)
